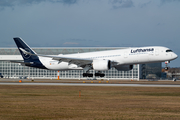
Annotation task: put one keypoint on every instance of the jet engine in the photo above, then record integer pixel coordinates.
(101, 65)
(124, 67)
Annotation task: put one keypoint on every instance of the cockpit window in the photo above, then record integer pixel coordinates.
(168, 50)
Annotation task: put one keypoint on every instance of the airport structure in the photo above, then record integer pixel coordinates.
(16, 70)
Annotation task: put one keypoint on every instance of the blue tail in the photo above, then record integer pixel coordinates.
(30, 60)
(21, 44)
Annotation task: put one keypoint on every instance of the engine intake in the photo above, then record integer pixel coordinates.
(101, 65)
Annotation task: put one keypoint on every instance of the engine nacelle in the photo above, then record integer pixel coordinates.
(124, 67)
(101, 65)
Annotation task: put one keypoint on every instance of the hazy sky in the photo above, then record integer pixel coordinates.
(91, 23)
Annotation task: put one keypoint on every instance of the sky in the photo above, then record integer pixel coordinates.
(92, 23)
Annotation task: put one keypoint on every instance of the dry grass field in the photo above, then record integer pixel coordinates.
(95, 103)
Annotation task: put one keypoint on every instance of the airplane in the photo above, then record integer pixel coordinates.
(120, 59)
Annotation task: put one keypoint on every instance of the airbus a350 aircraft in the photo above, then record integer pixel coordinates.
(122, 59)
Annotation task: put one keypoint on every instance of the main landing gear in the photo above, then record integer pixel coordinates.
(100, 74)
(87, 74)
(91, 74)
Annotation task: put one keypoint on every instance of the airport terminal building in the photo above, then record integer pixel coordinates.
(16, 70)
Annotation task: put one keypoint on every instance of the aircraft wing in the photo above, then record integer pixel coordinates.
(81, 62)
(70, 60)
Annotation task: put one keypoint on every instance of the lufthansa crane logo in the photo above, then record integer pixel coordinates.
(25, 55)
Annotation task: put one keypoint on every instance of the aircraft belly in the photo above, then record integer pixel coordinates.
(56, 66)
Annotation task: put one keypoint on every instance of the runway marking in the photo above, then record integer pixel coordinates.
(86, 84)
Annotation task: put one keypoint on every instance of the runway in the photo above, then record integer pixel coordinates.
(94, 84)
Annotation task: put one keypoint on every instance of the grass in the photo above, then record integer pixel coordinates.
(95, 103)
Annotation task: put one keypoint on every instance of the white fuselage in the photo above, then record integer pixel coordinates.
(128, 56)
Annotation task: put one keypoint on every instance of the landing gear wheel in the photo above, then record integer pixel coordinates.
(100, 74)
(87, 75)
(166, 68)
(166, 62)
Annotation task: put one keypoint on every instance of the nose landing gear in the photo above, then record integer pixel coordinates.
(166, 67)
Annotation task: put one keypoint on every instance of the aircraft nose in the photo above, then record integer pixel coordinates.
(175, 56)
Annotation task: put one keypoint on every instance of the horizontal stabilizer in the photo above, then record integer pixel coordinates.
(21, 62)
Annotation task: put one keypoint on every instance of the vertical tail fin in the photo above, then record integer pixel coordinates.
(33, 60)
(22, 45)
